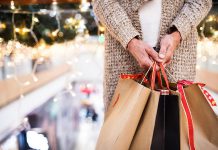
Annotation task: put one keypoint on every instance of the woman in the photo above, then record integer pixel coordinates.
(135, 26)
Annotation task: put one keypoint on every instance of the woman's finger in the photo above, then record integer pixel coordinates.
(151, 52)
(169, 55)
(163, 49)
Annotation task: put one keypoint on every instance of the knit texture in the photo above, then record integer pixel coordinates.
(121, 20)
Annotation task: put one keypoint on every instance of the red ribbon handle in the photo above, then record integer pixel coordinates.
(188, 116)
(159, 79)
(153, 76)
(165, 76)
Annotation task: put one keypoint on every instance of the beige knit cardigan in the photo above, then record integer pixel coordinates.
(121, 20)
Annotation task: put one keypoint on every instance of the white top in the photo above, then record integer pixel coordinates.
(150, 16)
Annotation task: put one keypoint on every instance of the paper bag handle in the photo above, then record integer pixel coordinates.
(164, 75)
(158, 74)
(153, 76)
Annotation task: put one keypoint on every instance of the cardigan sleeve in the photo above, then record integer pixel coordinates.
(191, 15)
(113, 16)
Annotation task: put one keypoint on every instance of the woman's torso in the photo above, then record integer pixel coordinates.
(118, 60)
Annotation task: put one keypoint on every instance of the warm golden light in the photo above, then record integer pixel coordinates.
(101, 28)
(215, 34)
(24, 30)
(55, 33)
(71, 21)
(201, 28)
(1, 39)
(17, 29)
(2, 25)
(211, 18)
(84, 6)
(35, 19)
(12, 5)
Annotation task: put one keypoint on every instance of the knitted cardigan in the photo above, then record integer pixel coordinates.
(121, 20)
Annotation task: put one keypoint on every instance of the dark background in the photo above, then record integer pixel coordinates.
(48, 24)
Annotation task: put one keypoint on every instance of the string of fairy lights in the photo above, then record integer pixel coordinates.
(18, 52)
(13, 45)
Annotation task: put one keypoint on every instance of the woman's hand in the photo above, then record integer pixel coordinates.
(167, 46)
(143, 53)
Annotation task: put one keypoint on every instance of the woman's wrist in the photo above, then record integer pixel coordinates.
(175, 33)
(176, 36)
(132, 43)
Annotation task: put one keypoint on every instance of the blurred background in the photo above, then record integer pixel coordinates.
(51, 73)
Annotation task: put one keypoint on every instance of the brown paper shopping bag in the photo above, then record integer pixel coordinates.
(144, 133)
(159, 125)
(123, 115)
(203, 119)
(198, 121)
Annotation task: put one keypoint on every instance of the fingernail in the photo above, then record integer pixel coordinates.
(161, 55)
(160, 60)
